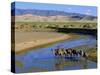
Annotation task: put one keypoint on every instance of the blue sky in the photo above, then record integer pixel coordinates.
(89, 10)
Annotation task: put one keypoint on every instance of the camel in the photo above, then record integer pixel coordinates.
(69, 52)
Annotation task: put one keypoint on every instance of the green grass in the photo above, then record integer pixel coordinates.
(46, 25)
(92, 54)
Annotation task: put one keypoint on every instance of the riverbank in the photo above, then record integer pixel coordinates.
(25, 41)
(92, 54)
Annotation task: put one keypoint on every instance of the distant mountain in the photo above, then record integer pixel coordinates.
(48, 15)
(43, 12)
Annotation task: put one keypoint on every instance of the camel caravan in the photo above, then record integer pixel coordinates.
(62, 52)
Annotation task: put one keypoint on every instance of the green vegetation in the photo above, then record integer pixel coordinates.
(51, 25)
(92, 54)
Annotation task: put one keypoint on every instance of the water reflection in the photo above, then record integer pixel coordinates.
(44, 60)
(65, 63)
(39, 65)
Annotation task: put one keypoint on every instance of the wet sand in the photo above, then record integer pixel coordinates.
(28, 40)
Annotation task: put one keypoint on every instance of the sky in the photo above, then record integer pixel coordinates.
(88, 10)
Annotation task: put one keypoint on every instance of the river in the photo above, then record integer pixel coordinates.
(42, 59)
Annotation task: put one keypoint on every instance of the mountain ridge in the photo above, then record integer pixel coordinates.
(52, 15)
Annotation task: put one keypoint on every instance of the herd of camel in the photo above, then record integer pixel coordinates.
(69, 52)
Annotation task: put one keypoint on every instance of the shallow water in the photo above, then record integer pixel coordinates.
(43, 59)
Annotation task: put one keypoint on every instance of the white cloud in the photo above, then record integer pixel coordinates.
(88, 12)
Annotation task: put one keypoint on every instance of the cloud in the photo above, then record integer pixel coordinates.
(88, 12)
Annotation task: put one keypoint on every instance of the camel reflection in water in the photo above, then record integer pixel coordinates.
(76, 57)
(60, 63)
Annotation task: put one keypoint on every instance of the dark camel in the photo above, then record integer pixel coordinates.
(69, 52)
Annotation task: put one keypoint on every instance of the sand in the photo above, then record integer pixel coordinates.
(28, 40)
